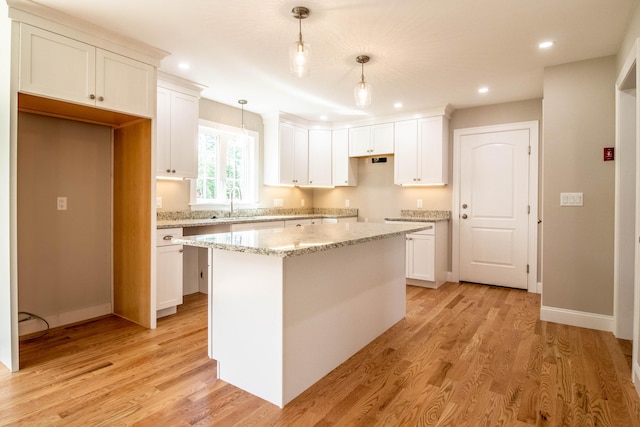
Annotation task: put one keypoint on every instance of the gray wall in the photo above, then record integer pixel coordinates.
(64, 257)
(579, 121)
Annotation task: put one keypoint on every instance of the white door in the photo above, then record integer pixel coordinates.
(494, 204)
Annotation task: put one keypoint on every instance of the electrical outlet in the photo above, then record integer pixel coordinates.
(347, 203)
(419, 204)
(277, 203)
(158, 202)
(302, 202)
(62, 203)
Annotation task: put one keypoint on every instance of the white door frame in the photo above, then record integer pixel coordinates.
(532, 250)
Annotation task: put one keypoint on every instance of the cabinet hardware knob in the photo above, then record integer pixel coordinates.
(92, 96)
(464, 216)
(167, 237)
(168, 170)
(345, 182)
(180, 250)
(298, 225)
(173, 171)
(101, 98)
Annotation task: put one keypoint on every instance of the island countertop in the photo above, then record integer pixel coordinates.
(294, 241)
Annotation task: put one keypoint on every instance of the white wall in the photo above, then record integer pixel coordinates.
(7, 354)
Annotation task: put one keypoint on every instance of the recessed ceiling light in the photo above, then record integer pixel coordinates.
(397, 104)
(184, 66)
(546, 45)
(323, 117)
(483, 89)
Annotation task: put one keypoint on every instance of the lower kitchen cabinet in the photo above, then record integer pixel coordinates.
(421, 250)
(426, 254)
(168, 272)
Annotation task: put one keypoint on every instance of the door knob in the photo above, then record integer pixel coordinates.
(464, 216)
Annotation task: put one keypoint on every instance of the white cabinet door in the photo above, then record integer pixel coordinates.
(293, 155)
(123, 84)
(55, 66)
(433, 151)
(169, 276)
(382, 139)
(371, 140)
(184, 135)
(360, 141)
(405, 159)
(421, 257)
(301, 156)
(163, 132)
(176, 134)
(287, 154)
(320, 156)
(345, 168)
(58, 67)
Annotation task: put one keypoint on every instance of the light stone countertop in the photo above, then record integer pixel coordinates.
(294, 241)
(174, 223)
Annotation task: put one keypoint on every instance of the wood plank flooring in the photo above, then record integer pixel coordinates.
(465, 355)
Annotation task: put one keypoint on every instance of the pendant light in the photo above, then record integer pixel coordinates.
(300, 52)
(242, 103)
(362, 91)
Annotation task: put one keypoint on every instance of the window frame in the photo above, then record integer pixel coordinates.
(247, 204)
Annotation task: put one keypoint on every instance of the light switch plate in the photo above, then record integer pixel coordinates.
(62, 203)
(571, 199)
(277, 203)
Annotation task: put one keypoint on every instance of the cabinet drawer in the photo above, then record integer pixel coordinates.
(164, 236)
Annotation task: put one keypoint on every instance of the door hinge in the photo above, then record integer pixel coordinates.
(528, 209)
(527, 268)
(529, 150)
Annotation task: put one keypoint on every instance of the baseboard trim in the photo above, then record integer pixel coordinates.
(636, 377)
(577, 318)
(61, 319)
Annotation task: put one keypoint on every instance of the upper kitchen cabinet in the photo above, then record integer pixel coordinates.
(286, 153)
(320, 156)
(177, 127)
(421, 151)
(371, 140)
(345, 168)
(59, 67)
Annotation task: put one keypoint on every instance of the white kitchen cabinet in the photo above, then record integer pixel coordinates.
(177, 132)
(286, 158)
(421, 151)
(59, 67)
(345, 168)
(371, 140)
(320, 158)
(168, 272)
(421, 250)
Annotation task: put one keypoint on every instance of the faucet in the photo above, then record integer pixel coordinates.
(234, 190)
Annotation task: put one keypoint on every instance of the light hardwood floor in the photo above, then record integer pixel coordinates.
(465, 355)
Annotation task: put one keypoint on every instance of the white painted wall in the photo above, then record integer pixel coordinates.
(8, 353)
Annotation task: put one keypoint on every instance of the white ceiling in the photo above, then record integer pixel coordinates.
(424, 53)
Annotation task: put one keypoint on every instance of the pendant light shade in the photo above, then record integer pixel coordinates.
(242, 103)
(362, 91)
(300, 52)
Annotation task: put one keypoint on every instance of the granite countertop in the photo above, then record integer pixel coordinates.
(288, 242)
(190, 222)
(421, 216)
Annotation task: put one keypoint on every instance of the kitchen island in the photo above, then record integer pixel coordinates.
(289, 305)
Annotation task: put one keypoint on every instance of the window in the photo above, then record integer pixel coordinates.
(227, 162)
